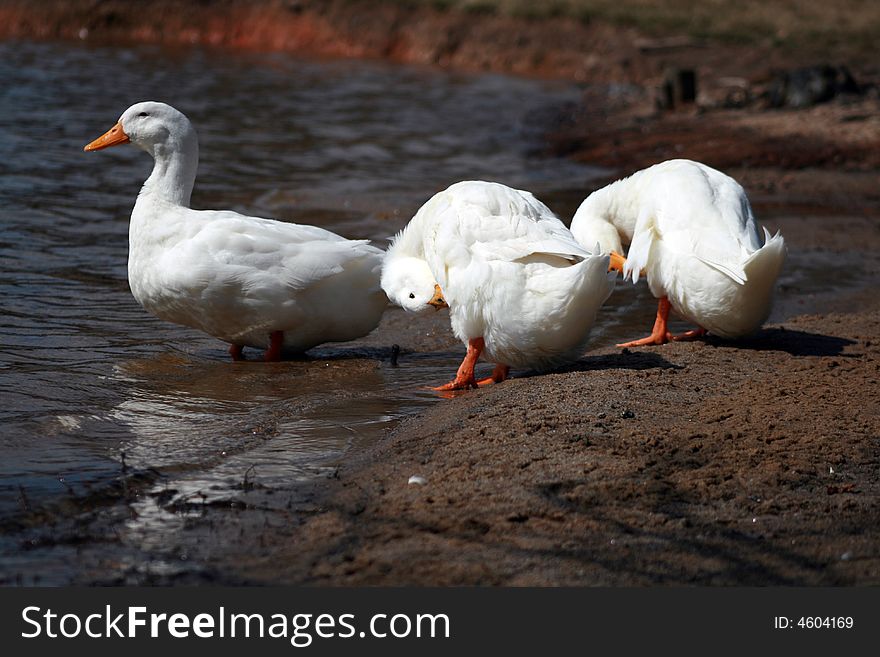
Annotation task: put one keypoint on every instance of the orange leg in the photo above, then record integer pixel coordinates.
(464, 378)
(498, 375)
(273, 353)
(235, 351)
(660, 334)
(617, 262)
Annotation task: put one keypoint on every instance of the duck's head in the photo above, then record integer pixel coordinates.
(153, 126)
(409, 283)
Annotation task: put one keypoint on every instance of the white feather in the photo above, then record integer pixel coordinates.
(691, 230)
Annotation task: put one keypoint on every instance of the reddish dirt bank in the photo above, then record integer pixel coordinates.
(552, 46)
(618, 123)
(556, 47)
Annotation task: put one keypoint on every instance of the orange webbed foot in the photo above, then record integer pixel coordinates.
(661, 338)
(499, 374)
(464, 378)
(457, 384)
(659, 334)
(689, 335)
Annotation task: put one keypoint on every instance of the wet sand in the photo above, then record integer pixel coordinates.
(751, 463)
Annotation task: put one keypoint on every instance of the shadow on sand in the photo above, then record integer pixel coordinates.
(623, 360)
(794, 342)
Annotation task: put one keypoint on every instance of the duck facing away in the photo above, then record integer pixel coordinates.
(245, 280)
(691, 231)
(521, 291)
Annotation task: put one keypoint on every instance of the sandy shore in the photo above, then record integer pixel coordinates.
(755, 462)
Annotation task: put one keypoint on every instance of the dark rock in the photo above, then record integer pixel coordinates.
(679, 88)
(805, 87)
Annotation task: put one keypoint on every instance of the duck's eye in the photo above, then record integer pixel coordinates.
(143, 114)
(412, 296)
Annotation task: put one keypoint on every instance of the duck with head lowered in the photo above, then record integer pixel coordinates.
(691, 231)
(246, 280)
(521, 291)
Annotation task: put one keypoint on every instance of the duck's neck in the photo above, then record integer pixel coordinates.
(174, 171)
(617, 202)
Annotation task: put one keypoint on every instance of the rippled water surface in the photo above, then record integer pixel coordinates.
(95, 388)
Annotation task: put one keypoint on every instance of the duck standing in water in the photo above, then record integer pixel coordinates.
(245, 280)
(691, 231)
(521, 291)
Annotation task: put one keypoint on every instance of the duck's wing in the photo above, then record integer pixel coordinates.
(495, 222)
(731, 237)
(256, 253)
(708, 246)
(697, 212)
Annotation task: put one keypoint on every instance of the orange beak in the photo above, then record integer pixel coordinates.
(616, 262)
(437, 300)
(115, 135)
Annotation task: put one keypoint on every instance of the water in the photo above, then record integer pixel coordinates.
(114, 425)
(96, 390)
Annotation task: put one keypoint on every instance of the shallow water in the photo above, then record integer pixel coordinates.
(93, 387)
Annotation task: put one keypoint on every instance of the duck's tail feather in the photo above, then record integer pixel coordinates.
(766, 263)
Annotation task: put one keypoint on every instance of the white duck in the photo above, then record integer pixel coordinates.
(520, 289)
(692, 232)
(245, 280)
